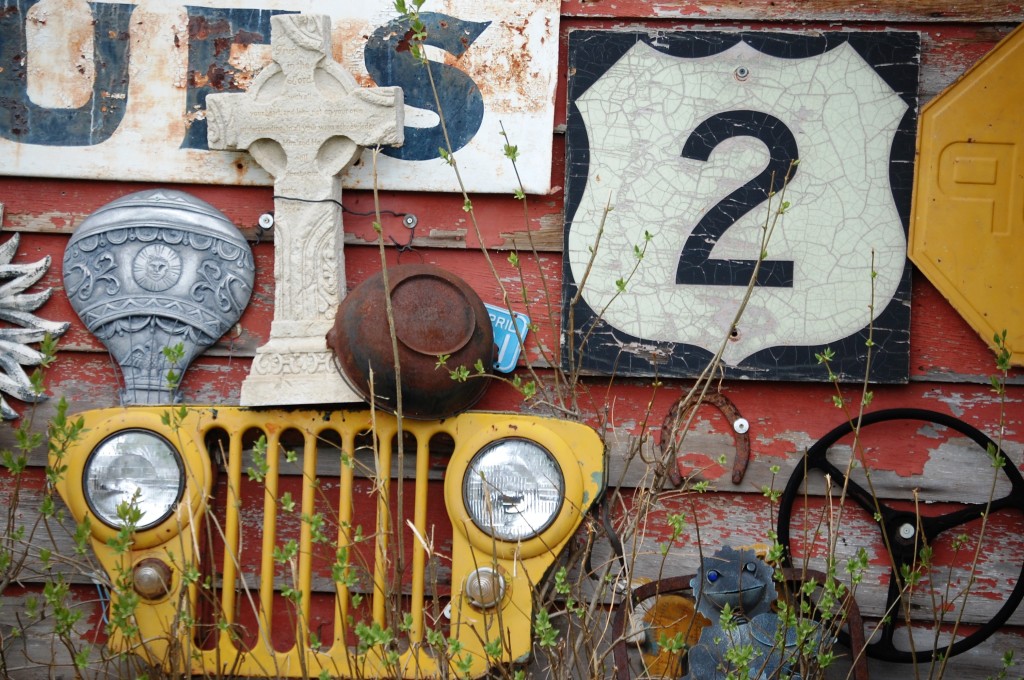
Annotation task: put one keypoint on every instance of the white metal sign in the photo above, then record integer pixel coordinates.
(117, 90)
(686, 139)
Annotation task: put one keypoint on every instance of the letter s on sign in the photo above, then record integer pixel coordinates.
(390, 62)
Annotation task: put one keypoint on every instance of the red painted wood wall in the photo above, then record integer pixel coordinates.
(950, 365)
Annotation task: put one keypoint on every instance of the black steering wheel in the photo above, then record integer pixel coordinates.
(906, 531)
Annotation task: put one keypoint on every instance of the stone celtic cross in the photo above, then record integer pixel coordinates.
(304, 120)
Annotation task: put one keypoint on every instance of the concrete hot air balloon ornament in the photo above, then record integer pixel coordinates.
(154, 270)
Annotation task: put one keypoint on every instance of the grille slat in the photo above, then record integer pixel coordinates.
(383, 532)
(419, 556)
(347, 472)
(305, 570)
(232, 534)
(265, 613)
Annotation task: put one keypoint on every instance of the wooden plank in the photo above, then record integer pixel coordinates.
(981, 662)
(54, 534)
(37, 655)
(539, 284)
(975, 664)
(43, 206)
(889, 11)
(784, 420)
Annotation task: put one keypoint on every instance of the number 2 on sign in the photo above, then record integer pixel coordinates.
(696, 267)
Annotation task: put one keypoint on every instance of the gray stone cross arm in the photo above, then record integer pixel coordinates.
(300, 126)
(302, 104)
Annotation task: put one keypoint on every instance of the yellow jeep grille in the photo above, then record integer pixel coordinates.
(303, 545)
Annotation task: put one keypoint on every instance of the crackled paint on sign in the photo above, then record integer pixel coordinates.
(117, 90)
(686, 135)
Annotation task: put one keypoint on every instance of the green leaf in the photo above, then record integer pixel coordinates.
(36, 382)
(493, 648)
(547, 634)
(286, 552)
(827, 355)
(528, 389)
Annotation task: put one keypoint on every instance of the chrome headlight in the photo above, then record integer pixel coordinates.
(513, 489)
(134, 465)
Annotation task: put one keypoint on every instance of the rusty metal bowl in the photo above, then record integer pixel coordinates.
(436, 313)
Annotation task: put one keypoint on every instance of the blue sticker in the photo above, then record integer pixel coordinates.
(506, 337)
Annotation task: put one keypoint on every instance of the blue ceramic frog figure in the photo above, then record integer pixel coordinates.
(739, 580)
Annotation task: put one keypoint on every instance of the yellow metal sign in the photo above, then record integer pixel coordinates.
(967, 224)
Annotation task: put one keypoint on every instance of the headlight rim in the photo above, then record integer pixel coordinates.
(172, 509)
(575, 494)
(466, 478)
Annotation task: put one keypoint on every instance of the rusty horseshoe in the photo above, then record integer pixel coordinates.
(681, 410)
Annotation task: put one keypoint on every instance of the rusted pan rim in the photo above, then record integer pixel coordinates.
(436, 313)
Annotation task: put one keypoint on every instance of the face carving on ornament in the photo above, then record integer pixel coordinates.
(156, 268)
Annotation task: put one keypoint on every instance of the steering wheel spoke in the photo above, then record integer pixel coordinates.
(864, 499)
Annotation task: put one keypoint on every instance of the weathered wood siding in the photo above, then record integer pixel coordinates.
(950, 365)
